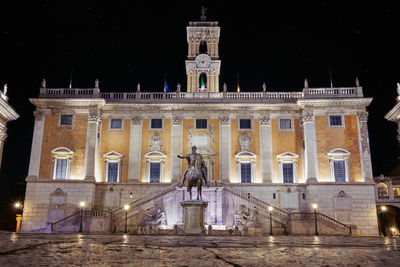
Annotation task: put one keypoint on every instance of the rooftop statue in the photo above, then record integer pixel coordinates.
(203, 14)
(195, 173)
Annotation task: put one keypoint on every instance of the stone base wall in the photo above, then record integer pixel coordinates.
(349, 203)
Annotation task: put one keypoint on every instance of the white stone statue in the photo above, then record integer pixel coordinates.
(357, 83)
(43, 83)
(225, 87)
(96, 83)
(138, 88)
(5, 89)
(305, 83)
(155, 142)
(264, 87)
(178, 88)
(398, 89)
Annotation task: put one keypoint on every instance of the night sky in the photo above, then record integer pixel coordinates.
(122, 43)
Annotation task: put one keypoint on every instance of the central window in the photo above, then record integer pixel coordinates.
(62, 163)
(339, 170)
(155, 172)
(339, 165)
(287, 172)
(156, 123)
(61, 169)
(112, 173)
(201, 124)
(245, 170)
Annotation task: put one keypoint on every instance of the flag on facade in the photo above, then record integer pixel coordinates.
(203, 85)
(238, 86)
(166, 89)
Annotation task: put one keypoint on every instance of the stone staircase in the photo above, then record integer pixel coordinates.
(93, 221)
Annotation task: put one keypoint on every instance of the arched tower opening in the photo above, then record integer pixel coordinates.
(203, 47)
(203, 82)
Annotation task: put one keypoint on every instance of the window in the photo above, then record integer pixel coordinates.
(201, 124)
(203, 47)
(62, 163)
(339, 165)
(61, 169)
(285, 124)
(339, 170)
(155, 168)
(112, 172)
(245, 169)
(156, 124)
(244, 124)
(155, 161)
(335, 120)
(287, 172)
(116, 124)
(113, 164)
(66, 119)
(287, 167)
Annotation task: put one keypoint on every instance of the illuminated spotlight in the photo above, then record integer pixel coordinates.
(383, 208)
(82, 204)
(126, 207)
(270, 208)
(17, 205)
(393, 229)
(314, 206)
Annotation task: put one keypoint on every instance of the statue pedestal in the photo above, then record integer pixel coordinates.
(194, 217)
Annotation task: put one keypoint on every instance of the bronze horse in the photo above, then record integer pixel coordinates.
(195, 173)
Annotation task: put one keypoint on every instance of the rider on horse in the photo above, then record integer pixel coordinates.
(196, 171)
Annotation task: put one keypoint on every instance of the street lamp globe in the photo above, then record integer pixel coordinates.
(314, 206)
(82, 204)
(17, 205)
(383, 208)
(126, 207)
(270, 208)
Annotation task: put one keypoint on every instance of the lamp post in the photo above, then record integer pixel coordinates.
(126, 208)
(18, 206)
(270, 208)
(82, 204)
(315, 206)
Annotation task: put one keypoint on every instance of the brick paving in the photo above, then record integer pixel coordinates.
(135, 250)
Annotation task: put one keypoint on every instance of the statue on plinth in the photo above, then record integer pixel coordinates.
(195, 173)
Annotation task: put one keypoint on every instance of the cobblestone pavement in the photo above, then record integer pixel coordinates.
(134, 250)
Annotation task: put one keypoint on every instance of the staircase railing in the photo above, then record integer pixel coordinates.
(321, 218)
(64, 221)
(276, 212)
(118, 214)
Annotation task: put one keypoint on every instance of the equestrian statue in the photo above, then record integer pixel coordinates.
(195, 173)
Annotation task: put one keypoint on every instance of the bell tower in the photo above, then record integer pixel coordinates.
(203, 64)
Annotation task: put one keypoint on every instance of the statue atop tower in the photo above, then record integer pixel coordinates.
(203, 14)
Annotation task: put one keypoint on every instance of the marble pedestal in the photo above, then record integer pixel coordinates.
(194, 217)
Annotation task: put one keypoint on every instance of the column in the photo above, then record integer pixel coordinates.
(189, 80)
(135, 146)
(3, 137)
(216, 88)
(266, 160)
(365, 154)
(36, 150)
(310, 142)
(176, 148)
(211, 88)
(92, 140)
(208, 81)
(225, 148)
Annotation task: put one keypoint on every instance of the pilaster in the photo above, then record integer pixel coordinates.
(92, 140)
(135, 144)
(176, 148)
(266, 159)
(225, 148)
(310, 142)
(36, 150)
(3, 137)
(365, 154)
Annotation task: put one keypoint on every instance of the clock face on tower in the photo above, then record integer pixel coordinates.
(203, 61)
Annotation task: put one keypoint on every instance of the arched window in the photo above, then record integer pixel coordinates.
(203, 47)
(383, 191)
(62, 163)
(287, 167)
(203, 82)
(339, 165)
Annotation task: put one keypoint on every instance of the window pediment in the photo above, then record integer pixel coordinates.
(338, 153)
(287, 156)
(245, 154)
(62, 151)
(113, 155)
(155, 155)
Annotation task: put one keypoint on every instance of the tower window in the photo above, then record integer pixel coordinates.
(201, 124)
(335, 120)
(203, 47)
(245, 124)
(203, 82)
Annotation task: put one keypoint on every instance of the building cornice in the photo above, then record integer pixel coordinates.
(329, 103)
(394, 113)
(7, 112)
(60, 103)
